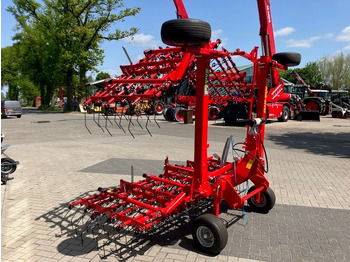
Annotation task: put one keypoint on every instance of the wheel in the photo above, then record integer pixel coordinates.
(340, 114)
(110, 111)
(209, 234)
(213, 112)
(8, 166)
(181, 32)
(158, 107)
(168, 113)
(266, 203)
(287, 58)
(19, 116)
(285, 114)
(312, 106)
(334, 114)
(179, 114)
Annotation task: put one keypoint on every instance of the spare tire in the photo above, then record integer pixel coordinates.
(182, 32)
(287, 58)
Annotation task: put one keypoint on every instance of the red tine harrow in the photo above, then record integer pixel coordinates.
(149, 203)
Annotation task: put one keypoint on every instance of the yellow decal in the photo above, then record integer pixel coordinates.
(249, 164)
(265, 100)
(206, 92)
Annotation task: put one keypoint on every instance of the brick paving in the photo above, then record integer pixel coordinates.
(60, 161)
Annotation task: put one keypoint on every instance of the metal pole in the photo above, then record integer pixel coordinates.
(127, 55)
(132, 174)
(201, 123)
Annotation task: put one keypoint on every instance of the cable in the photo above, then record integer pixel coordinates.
(265, 154)
(254, 157)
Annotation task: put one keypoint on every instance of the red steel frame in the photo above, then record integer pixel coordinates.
(146, 203)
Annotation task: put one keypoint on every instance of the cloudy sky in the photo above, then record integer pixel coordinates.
(314, 28)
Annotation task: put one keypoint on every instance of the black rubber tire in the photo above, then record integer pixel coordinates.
(179, 114)
(8, 165)
(168, 113)
(19, 116)
(287, 58)
(185, 32)
(209, 234)
(267, 201)
(110, 111)
(285, 114)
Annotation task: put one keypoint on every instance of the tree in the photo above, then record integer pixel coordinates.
(74, 29)
(310, 73)
(335, 71)
(28, 89)
(102, 75)
(10, 72)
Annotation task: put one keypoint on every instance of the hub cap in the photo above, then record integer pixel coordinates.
(205, 236)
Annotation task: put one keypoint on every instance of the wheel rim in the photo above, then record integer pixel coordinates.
(6, 167)
(205, 236)
(180, 115)
(213, 113)
(262, 201)
(159, 108)
(312, 106)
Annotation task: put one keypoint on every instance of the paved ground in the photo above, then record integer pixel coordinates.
(61, 161)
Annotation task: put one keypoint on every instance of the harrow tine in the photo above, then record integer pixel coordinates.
(109, 120)
(148, 120)
(137, 120)
(115, 117)
(86, 124)
(98, 120)
(130, 122)
(106, 117)
(155, 120)
(65, 219)
(100, 221)
(120, 122)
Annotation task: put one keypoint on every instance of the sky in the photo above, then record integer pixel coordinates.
(313, 28)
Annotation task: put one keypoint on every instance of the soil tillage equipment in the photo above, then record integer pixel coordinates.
(164, 82)
(8, 165)
(151, 202)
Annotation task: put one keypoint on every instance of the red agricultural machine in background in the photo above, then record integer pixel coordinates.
(147, 204)
(164, 81)
(312, 102)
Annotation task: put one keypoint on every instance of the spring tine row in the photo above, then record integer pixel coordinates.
(117, 119)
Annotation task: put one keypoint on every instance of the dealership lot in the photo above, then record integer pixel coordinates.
(60, 161)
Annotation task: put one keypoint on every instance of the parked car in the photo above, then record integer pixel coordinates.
(11, 108)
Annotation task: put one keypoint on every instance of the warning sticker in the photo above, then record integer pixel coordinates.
(249, 164)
